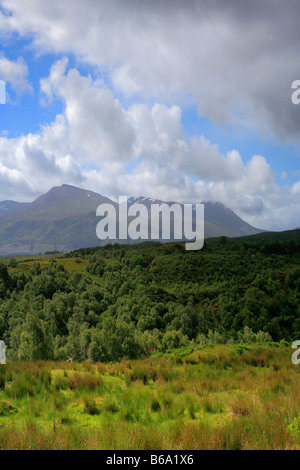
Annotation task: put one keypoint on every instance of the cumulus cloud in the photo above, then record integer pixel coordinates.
(33, 163)
(236, 59)
(98, 144)
(15, 73)
(154, 157)
(97, 124)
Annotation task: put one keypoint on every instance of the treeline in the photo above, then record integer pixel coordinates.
(135, 299)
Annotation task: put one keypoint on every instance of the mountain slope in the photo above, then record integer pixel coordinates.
(65, 219)
(219, 220)
(8, 207)
(59, 203)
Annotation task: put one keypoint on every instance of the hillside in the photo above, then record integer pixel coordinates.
(285, 236)
(8, 207)
(118, 301)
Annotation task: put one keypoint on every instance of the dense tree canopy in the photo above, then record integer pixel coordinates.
(139, 298)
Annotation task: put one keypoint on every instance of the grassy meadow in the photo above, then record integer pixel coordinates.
(212, 397)
(171, 349)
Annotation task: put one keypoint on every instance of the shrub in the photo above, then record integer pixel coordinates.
(6, 408)
(239, 349)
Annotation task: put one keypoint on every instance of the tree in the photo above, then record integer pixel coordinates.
(36, 343)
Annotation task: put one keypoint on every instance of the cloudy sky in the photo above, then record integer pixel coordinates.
(173, 99)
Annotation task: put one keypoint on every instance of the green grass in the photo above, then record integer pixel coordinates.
(25, 263)
(212, 398)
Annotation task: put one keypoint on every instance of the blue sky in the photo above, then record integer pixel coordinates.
(180, 103)
(283, 157)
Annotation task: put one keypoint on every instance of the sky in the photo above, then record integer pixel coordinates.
(182, 100)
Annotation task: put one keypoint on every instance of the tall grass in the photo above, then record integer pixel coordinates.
(213, 398)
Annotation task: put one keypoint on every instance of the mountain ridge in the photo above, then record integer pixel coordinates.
(64, 218)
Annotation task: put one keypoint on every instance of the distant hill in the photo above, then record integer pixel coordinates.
(8, 207)
(62, 219)
(219, 220)
(285, 236)
(65, 219)
(59, 203)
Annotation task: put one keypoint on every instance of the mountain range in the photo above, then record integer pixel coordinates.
(64, 219)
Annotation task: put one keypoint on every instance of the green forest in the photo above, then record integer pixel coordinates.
(130, 301)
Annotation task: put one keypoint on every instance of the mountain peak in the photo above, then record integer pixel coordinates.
(65, 217)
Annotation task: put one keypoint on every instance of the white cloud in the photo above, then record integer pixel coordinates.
(97, 124)
(236, 60)
(295, 190)
(15, 72)
(95, 141)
